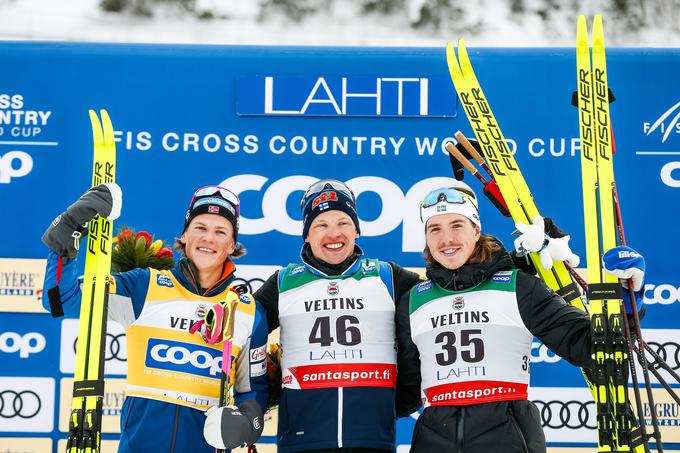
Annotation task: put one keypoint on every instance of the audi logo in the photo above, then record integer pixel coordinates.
(25, 404)
(253, 284)
(567, 414)
(114, 349)
(667, 350)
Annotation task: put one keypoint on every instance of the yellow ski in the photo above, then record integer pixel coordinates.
(88, 386)
(505, 170)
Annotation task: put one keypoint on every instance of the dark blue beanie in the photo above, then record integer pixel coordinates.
(327, 200)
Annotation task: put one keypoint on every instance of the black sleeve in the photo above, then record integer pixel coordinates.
(268, 296)
(523, 263)
(561, 327)
(404, 280)
(408, 363)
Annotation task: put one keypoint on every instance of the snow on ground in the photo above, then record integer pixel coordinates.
(340, 24)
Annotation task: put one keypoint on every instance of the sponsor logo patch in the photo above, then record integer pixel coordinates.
(367, 267)
(458, 303)
(183, 357)
(258, 354)
(333, 289)
(164, 280)
(297, 270)
(424, 286)
(501, 276)
(258, 369)
(324, 197)
(200, 311)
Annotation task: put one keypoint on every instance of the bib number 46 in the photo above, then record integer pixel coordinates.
(449, 354)
(346, 331)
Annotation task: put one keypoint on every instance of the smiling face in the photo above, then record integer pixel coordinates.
(332, 236)
(209, 240)
(451, 239)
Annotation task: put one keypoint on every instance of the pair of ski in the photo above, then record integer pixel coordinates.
(608, 379)
(84, 434)
(612, 338)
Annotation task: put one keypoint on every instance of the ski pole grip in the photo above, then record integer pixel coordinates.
(459, 156)
(462, 139)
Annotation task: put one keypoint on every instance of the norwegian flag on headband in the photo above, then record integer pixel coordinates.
(214, 209)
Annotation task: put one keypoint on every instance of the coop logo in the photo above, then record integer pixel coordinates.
(664, 126)
(318, 95)
(541, 353)
(14, 164)
(392, 214)
(175, 356)
(664, 294)
(25, 345)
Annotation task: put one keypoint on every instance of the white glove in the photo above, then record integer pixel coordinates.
(212, 430)
(231, 427)
(558, 250)
(532, 237)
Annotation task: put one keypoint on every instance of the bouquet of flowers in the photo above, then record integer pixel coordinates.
(132, 250)
(274, 375)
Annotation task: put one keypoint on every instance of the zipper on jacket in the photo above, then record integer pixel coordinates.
(174, 430)
(460, 430)
(511, 413)
(340, 403)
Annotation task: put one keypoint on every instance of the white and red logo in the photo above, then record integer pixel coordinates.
(325, 196)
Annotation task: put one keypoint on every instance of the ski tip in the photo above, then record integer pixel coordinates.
(461, 43)
(581, 23)
(450, 50)
(106, 120)
(598, 31)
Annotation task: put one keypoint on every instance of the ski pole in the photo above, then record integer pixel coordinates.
(473, 152)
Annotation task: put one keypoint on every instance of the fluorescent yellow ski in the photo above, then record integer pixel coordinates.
(610, 351)
(507, 174)
(88, 386)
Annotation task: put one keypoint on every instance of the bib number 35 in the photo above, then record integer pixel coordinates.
(468, 339)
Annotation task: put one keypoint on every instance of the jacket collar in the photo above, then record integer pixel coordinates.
(324, 269)
(186, 273)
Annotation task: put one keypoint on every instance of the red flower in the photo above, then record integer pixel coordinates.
(124, 235)
(146, 236)
(165, 252)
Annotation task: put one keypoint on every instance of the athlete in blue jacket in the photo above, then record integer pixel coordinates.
(173, 375)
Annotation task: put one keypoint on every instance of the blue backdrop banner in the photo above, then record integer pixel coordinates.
(268, 121)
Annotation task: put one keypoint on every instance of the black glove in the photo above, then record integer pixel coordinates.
(63, 235)
(456, 166)
(231, 427)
